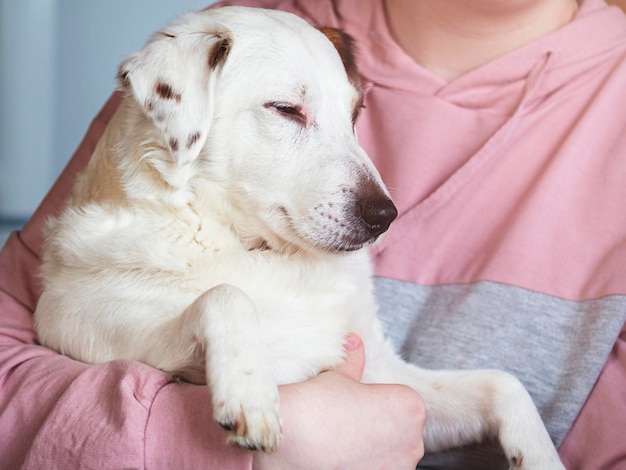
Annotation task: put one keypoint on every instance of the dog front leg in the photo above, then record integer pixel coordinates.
(245, 397)
(464, 407)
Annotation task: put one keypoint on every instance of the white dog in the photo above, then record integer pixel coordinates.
(215, 234)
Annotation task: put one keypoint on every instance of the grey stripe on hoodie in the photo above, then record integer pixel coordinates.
(556, 347)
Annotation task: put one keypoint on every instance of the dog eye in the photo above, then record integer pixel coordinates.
(288, 111)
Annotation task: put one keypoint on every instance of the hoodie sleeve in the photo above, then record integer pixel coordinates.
(59, 413)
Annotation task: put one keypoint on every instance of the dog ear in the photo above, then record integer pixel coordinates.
(172, 79)
(344, 43)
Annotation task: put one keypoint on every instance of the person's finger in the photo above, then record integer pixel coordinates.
(355, 358)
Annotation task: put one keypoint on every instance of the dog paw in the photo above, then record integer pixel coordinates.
(253, 420)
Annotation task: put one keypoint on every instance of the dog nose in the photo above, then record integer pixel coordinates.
(378, 215)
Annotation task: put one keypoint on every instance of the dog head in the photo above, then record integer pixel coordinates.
(262, 105)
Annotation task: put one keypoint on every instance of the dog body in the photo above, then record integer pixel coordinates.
(217, 231)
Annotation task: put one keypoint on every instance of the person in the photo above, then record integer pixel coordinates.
(498, 127)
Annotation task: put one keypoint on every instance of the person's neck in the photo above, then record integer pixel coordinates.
(452, 37)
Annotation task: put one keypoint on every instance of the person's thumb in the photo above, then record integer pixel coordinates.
(355, 357)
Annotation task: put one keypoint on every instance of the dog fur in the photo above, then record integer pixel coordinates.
(217, 231)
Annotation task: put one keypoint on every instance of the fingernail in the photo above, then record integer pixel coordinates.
(352, 342)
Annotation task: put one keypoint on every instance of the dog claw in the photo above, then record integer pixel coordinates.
(229, 426)
(250, 447)
(270, 445)
(252, 421)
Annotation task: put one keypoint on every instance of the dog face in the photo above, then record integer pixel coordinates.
(264, 105)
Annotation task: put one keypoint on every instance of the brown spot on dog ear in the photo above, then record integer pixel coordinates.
(166, 92)
(344, 43)
(122, 78)
(219, 53)
(149, 105)
(192, 139)
(173, 144)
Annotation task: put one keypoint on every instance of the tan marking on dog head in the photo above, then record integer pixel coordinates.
(219, 53)
(357, 106)
(344, 44)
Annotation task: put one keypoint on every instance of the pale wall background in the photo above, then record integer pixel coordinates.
(58, 60)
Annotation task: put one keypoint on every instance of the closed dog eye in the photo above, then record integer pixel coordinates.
(288, 111)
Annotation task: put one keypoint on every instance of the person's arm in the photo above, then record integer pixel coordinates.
(59, 413)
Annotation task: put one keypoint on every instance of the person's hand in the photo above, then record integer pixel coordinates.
(334, 421)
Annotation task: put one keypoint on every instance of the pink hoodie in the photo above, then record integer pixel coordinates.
(514, 175)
